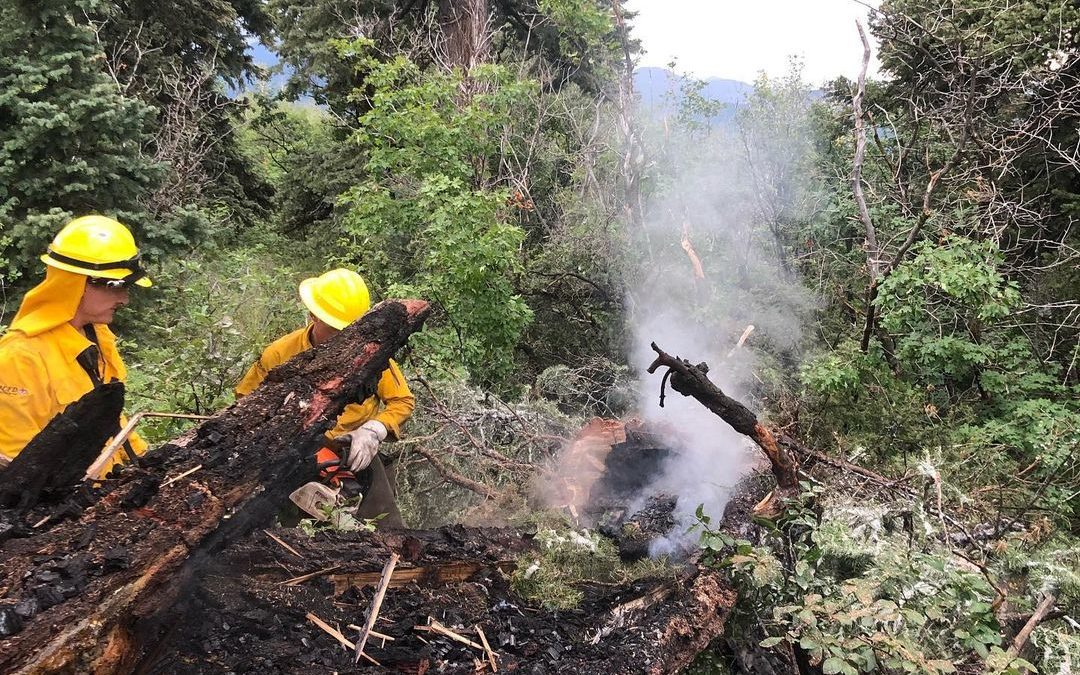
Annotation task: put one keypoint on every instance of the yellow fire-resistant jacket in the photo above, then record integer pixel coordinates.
(392, 404)
(39, 374)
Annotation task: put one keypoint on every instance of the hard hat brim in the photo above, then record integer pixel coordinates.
(118, 273)
(307, 296)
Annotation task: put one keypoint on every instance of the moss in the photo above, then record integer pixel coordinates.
(566, 558)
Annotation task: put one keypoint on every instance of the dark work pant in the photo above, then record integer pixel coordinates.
(380, 497)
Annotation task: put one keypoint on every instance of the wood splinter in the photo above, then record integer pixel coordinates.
(183, 475)
(376, 603)
(311, 575)
(375, 634)
(487, 648)
(435, 627)
(336, 634)
(281, 541)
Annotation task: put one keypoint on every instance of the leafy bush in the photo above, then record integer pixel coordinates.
(189, 339)
(855, 596)
(429, 218)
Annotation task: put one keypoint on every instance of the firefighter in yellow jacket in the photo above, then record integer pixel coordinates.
(334, 300)
(59, 345)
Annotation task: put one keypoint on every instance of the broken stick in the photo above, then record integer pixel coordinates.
(374, 633)
(281, 541)
(376, 603)
(691, 380)
(436, 627)
(182, 475)
(311, 575)
(336, 634)
(487, 648)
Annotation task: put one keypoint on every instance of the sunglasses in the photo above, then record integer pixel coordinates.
(126, 282)
(108, 283)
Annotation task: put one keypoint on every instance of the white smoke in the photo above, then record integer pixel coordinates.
(728, 192)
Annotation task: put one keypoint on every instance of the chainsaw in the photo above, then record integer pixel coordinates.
(339, 503)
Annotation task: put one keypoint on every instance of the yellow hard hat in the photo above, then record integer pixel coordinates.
(97, 246)
(337, 297)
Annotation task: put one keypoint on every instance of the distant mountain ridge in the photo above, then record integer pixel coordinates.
(659, 89)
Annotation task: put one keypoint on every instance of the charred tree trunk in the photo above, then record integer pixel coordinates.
(690, 380)
(86, 590)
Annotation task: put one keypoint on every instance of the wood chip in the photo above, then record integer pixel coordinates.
(336, 634)
(288, 548)
(304, 577)
(487, 648)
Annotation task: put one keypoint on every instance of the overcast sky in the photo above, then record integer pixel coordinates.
(736, 39)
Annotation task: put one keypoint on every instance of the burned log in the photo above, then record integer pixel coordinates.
(95, 593)
(57, 458)
(693, 380)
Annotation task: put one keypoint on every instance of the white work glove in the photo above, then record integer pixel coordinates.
(364, 444)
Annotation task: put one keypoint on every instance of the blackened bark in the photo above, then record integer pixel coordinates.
(57, 458)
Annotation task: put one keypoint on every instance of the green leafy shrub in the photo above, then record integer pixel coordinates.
(429, 219)
(855, 596)
(189, 339)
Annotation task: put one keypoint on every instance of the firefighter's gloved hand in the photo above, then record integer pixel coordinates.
(364, 444)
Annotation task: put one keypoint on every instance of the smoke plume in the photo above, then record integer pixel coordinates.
(720, 244)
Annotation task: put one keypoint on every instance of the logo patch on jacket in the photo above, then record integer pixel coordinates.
(13, 391)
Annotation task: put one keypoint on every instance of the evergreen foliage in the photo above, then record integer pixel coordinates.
(70, 141)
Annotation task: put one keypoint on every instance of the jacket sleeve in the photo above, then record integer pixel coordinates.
(26, 399)
(398, 401)
(254, 376)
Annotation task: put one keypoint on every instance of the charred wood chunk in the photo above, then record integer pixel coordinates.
(628, 469)
(10, 622)
(58, 457)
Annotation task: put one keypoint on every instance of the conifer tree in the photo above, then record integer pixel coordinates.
(70, 143)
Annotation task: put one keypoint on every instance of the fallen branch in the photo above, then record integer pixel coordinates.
(1025, 633)
(454, 477)
(690, 380)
